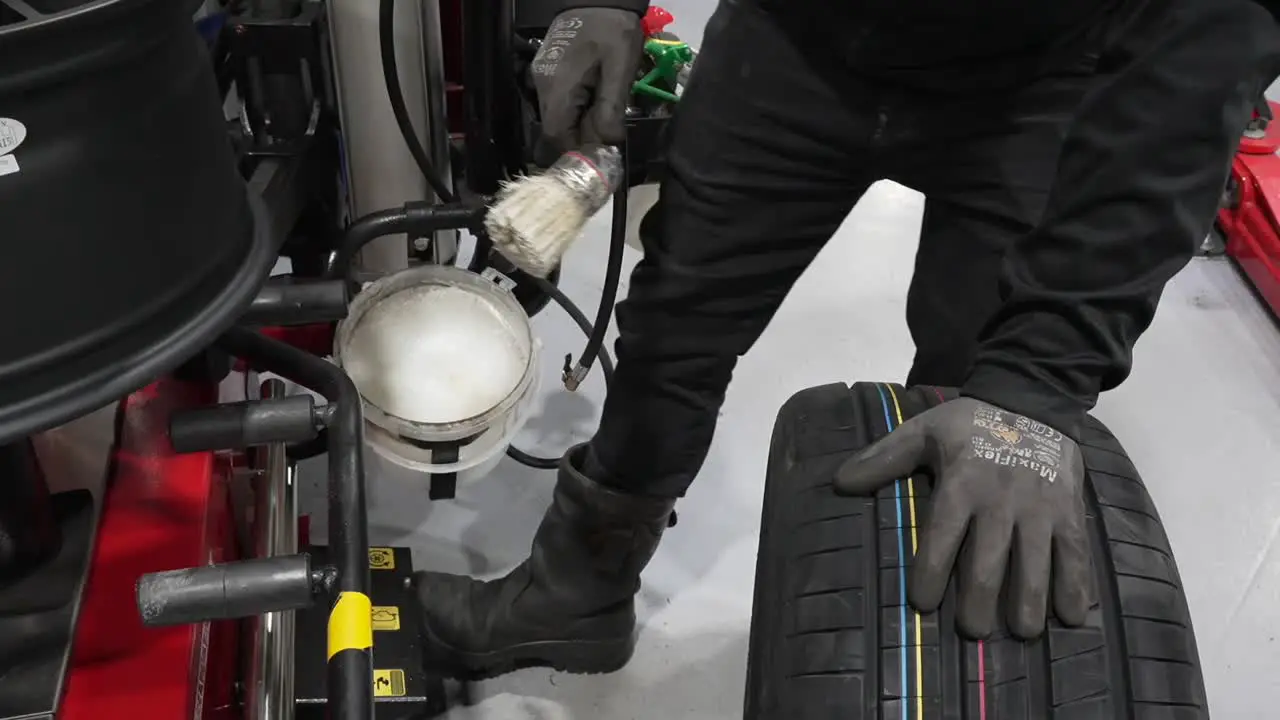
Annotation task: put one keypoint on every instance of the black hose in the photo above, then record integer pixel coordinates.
(533, 461)
(579, 318)
(606, 366)
(391, 76)
(613, 274)
(608, 299)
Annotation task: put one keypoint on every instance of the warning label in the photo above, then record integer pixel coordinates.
(386, 617)
(381, 558)
(388, 683)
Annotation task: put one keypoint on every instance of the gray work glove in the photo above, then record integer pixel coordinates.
(1006, 487)
(583, 74)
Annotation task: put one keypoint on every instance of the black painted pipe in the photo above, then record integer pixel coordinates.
(350, 666)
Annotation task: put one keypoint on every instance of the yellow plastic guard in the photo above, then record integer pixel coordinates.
(350, 623)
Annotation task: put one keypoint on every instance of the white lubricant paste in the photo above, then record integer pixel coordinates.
(435, 354)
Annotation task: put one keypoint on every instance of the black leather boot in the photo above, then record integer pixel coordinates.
(570, 606)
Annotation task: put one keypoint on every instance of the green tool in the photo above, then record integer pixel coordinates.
(670, 57)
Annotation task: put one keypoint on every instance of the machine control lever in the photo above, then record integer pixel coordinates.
(289, 302)
(289, 419)
(228, 591)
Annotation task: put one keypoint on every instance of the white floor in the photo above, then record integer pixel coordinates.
(1200, 417)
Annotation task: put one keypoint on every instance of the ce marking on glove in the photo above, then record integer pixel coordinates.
(565, 24)
(1019, 442)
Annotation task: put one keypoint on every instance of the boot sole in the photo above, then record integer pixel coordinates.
(576, 657)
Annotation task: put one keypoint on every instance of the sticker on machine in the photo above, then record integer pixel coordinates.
(388, 683)
(386, 618)
(12, 133)
(381, 558)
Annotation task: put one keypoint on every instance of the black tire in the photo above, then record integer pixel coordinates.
(832, 638)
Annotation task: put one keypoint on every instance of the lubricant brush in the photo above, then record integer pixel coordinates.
(535, 219)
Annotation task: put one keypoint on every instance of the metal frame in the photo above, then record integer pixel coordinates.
(269, 687)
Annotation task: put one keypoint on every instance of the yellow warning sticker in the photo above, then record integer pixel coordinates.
(388, 683)
(381, 558)
(386, 617)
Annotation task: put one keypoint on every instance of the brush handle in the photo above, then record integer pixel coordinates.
(593, 173)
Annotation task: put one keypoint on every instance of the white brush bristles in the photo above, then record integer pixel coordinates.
(535, 220)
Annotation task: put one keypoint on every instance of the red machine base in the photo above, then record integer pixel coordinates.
(161, 511)
(1249, 218)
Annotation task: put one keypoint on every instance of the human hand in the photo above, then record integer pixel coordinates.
(584, 72)
(1005, 485)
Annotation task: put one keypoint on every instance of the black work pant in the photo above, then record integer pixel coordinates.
(770, 149)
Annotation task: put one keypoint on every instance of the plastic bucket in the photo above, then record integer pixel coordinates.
(446, 363)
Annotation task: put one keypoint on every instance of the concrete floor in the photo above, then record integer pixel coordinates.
(1199, 417)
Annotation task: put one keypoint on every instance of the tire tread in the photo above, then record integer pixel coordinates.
(826, 640)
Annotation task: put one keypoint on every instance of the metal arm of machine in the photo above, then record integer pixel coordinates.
(250, 423)
(418, 218)
(288, 581)
(292, 302)
(350, 666)
(269, 687)
(227, 591)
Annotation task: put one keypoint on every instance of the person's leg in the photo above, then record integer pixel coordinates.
(764, 165)
(985, 163)
(953, 289)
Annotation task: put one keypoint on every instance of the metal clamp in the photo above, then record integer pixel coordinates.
(498, 279)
